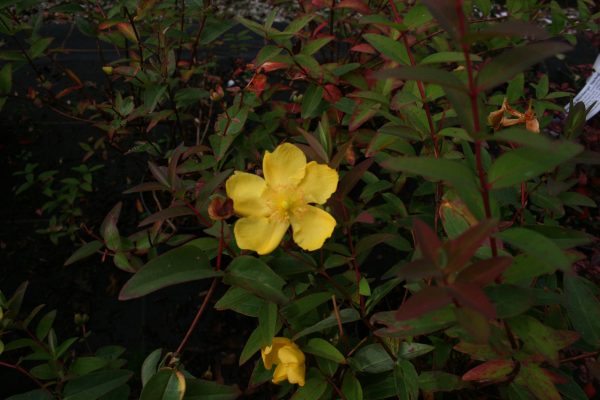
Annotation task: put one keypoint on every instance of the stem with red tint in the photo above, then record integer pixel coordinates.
(473, 94)
(207, 298)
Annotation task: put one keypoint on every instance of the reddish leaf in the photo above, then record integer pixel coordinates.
(365, 217)
(444, 12)
(473, 297)
(362, 113)
(314, 143)
(364, 48)
(419, 269)
(564, 339)
(485, 271)
(73, 77)
(331, 93)
(352, 177)
(356, 5)
(257, 84)
(272, 66)
(463, 248)
(481, 352)
(146, 187)
(167, 213)
(490, 371)
(427, 240)
(429, 299)
(127, 30)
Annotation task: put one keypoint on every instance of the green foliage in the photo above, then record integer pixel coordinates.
(450, 268)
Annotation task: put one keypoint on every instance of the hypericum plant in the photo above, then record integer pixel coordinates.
(449, 270)
(65, 196)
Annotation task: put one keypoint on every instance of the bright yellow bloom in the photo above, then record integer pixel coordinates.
(270, 205)
(288, 358)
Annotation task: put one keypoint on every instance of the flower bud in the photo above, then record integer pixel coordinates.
(217, 94)
(220, 208)
(107, 69)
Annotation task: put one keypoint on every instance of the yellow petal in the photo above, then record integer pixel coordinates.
(260, 234)
(246, 190)
(319, 183)
(312, 226)
(285, 166)
(290, 354)
(295, 373)
(270, 353)
(280, 373)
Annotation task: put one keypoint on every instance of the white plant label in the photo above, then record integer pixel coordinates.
(590, 93)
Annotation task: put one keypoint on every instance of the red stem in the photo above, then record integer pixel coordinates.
(473, 94)
(207, 298)
(26, 373)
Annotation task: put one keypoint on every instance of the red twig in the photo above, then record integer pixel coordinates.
(207, 298)
(26, 373)
(473, 94)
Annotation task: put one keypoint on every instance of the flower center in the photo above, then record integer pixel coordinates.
(284, 201)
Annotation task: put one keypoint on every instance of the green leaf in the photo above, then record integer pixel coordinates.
(37, 394)
(43, 327)
(304, 305)
(109, 230)
(446, 57)
(167, 384)
(425, 74)
(253, 275)
(240, 301)
(521, 164)
(150, 365)
(351, 387)
(510, 300)
(389, 47)
(426, 323)
(406, 380)
(183, 264)
(311, 100)
(200, 389)
(410, 350)
(85, 251)
(372, 359)
(533, 377)
(267, 53)
(6, 79)
(536, 336)
(189, 96)
(313, 388)
(583, 308)
(253, 344)
(85, 365)
(95, 385)
(439, 381)
(451, 171)
(213, 28)
(267, 322)
(152, 96)
(346, 315)
(536, 245)
(515, 60)
(322, 348)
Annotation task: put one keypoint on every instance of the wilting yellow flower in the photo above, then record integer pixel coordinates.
(497, 119)
(287, 357)
(270, 205)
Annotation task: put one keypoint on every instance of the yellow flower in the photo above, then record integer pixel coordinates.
(269, 206)
(288, 358)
